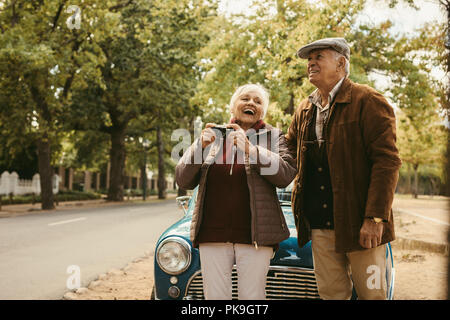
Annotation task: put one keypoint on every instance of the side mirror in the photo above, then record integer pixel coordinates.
(183, 202)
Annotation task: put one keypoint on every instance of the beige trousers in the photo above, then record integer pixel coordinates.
(217, 260)
(366, 267)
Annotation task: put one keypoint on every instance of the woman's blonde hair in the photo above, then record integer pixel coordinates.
(264, 94)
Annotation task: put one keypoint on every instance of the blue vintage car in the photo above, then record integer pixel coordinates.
(177, 273)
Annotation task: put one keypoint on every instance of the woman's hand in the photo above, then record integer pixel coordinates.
(239, 138)
(208, 136)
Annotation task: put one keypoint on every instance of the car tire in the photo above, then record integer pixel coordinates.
(152, 296)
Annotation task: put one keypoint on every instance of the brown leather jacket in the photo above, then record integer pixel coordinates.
(268, 225)
(363, 160)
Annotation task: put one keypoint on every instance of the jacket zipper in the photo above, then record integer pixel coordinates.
(253, 216)
(249, 175)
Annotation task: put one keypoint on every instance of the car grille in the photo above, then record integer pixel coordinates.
(282, 283)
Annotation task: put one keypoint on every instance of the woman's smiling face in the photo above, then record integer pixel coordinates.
(248, 108)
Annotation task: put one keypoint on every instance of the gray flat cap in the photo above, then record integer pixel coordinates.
(337, 44)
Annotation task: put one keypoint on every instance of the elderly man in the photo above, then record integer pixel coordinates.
(348, 164)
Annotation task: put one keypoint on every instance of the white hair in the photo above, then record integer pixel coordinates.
(337, 55)
(263, 93)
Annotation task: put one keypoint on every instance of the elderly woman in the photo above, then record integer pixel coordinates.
(237, 218)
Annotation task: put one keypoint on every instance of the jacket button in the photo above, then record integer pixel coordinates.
(303, 148)
(328, 223)
(322, 187)
(324, 206)
(320, 169)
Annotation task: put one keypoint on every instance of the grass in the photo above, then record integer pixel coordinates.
(61, 197)
(72, 195)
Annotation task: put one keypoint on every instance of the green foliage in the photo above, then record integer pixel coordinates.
(262, 49)
(130, 65)
(133, 66)
(61, 196)
(422, 137)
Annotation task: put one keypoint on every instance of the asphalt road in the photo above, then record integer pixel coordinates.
(41, 253)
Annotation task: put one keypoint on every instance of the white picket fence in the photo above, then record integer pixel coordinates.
(10, 183)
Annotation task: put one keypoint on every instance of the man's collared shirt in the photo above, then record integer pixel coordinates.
(322, 112)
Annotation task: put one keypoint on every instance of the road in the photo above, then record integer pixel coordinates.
(37, 250)
(424, 219)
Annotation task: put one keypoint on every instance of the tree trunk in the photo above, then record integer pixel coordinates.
(433, 186)
(408, 180)
(416, 181)
(97, 181)
(45, 172)
(87, 181)
(161, 169)
(144, 181)
(291, 108)
(70, 183)
(117, 159)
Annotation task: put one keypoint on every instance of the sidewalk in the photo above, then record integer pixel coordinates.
(26, 209)
(421, 223)
(421, 247)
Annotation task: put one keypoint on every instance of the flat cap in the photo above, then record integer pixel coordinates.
(337, 44)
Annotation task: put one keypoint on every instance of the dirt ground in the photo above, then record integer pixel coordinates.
(420, 274)
(134, 282)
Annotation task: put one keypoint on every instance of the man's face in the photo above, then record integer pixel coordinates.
(323, 67)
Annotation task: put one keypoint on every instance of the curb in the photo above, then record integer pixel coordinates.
(77, 294)
(412, 244)
(27, 209)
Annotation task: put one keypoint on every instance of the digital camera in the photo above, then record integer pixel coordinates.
(223, 130)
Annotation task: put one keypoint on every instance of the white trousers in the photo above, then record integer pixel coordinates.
(252, 265)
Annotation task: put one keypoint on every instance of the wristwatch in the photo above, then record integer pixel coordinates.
(375, 219)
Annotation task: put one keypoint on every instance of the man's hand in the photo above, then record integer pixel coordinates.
(370, 234)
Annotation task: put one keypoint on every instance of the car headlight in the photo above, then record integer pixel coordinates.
(174, 255)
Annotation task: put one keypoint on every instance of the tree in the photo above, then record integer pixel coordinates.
(261, 48)
(41, 60)
(421, 143)
(422, 100)
(146, 80)
(436, 39)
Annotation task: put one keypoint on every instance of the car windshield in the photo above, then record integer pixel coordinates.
(284, 194)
